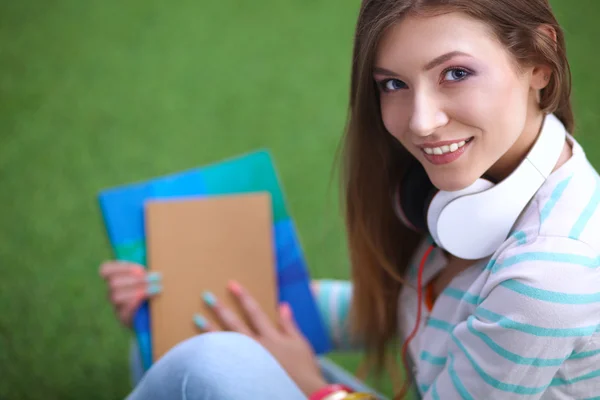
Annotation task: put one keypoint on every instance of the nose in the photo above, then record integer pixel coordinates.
(427, 115)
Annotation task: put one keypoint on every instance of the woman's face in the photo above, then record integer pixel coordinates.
(453, 96)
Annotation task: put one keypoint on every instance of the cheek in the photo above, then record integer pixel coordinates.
(495, 106)
(395, 116)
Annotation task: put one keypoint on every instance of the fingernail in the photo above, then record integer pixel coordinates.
(200, 321)
(153, 277)
(209, 299)
(235, 287)
(286, 311)
(153, 289)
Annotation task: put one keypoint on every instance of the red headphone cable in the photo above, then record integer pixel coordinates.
(417, 323)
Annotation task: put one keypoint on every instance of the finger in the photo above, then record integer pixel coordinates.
(203, 324)
(120, 267)
(255, 314)
(228, 318)
(128, 295)
(126, 309)
(286, 320)
(124, 281)
(128, 301)
(122, 297)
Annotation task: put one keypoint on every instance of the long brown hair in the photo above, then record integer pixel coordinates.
(379, 245)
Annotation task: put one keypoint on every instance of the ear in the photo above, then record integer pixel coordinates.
(540, 77)
(541, 73)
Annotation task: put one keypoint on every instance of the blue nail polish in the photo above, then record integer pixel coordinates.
(153, 277)
(200, 321)
(153, 289)
(209, 299)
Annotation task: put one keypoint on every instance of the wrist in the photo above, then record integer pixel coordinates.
(330, 392)
(313, 385)
(338, 392)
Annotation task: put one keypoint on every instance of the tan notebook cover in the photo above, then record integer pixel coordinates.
(199, 245)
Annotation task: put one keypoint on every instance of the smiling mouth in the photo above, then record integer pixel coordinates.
(445, 149)
(446, 153)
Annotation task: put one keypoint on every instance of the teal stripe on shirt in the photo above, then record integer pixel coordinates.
(550, 296)
(461, 295)
(515, 358)
(508, 323)
(506, 387)
(589, 375)
(587, 213)
(439, 324)
(412, 272)
(520, 236)
(435, 360)
(537, 331)
(344, 300)
(554, 197)
(584, 354)
(547, 256)
(322, 298)
(434, 393)
(460, 388)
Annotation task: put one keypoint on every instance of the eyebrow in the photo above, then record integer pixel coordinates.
(443, 58)
(430, 65)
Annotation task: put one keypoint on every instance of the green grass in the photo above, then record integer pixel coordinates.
(99, 93)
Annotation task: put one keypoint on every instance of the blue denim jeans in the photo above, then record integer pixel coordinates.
(224, 365)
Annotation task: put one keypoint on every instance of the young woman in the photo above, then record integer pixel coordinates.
(471, 215)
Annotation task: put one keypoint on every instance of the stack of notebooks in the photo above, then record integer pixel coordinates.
(202, 228)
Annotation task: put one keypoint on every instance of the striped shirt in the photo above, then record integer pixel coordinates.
(524, 323)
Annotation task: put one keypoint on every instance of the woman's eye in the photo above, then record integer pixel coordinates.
(391, 85)
(456, 74)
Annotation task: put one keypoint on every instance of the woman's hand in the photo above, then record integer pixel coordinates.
(128, 286)
(285, 341)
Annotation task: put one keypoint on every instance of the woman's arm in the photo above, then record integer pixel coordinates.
(333, 299)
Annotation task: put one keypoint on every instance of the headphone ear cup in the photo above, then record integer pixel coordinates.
(442, 199)
(412, 198)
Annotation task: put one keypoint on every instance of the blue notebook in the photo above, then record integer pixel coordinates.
(123, 213)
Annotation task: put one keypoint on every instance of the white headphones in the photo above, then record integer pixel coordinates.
(473, 222)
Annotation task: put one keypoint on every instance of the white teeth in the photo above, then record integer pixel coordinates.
(444, 149)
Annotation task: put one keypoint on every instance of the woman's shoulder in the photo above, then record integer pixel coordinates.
(566, 209)
(553, 253)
